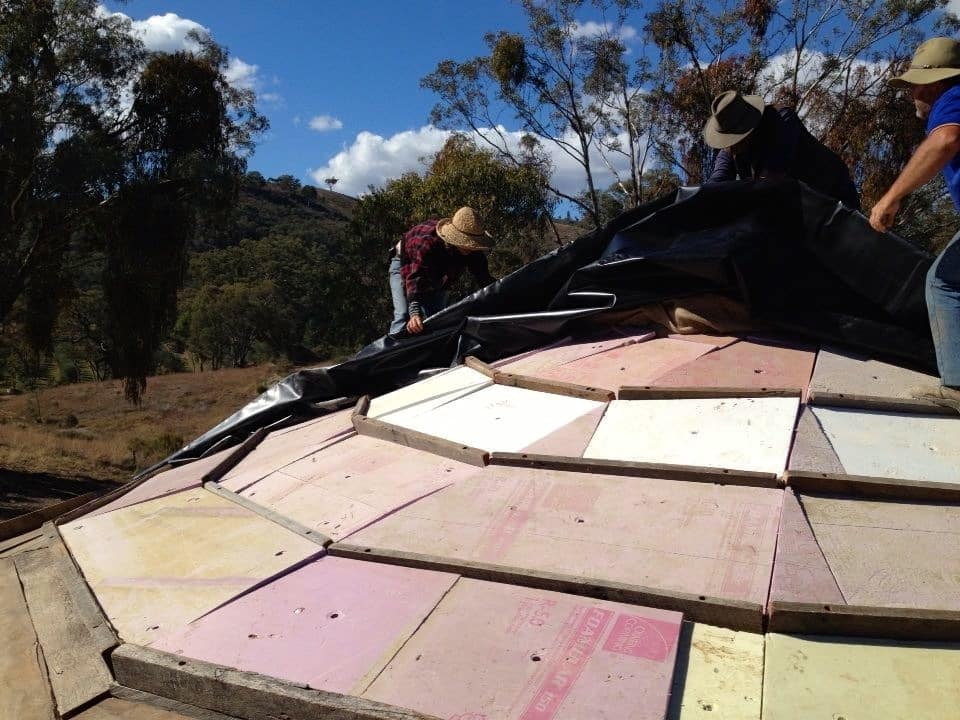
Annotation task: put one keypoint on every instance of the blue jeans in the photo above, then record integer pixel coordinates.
(431, 302)
(943, 305)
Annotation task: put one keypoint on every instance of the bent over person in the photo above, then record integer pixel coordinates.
(428, 260)
(762, 141)
(934, 81)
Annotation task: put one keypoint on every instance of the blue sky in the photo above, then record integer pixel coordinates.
(358, 64)
(339, 80)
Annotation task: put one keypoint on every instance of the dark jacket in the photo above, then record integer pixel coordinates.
(781, 145)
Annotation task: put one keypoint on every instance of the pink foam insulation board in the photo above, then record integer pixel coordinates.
(890, 554)
(894, 445)
(333, 624)
(169, 481)
(715, 340)
(157, 565)
(346, 487)
(690, 537)
(534, 362)
(429, 393)
(800, 571)
(747, 365)
(499, 651)
(498, 418)
(572, 439)
(839, 372)
(812, 450)
(734, 433)
(281, 448)
(637, 364)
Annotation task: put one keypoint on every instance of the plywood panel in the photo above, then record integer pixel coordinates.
(572, 439)
(735, 433)
(168, 482)
(498, 651)
(800, 571)
(499, 418)
(890, 553)
(533, 363)
(638, 364)
(838, 372)
(333, 624)
(277, 451)
(24, 692)
(894, 445)
(690, 537)
(745, 364)
(429, 393)
(716, 340)
(811, 449)
(815, 677)
(719, 674)
(159, 564)
(346, 487)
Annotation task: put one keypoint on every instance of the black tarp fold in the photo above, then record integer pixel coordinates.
(802, 263)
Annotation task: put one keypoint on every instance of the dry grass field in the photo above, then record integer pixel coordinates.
(86, 436)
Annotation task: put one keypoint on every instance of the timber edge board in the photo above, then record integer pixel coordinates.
(652, 392)
(733, 614)
(663, 471)
(878, 488)
(854, 401)
(240, 694)
(530, 382)
(894, 623)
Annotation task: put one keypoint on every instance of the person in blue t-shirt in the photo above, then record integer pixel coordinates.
(934, 80)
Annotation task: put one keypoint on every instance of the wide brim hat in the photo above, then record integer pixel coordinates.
(732, 117)
(935, 60)
(464, 230)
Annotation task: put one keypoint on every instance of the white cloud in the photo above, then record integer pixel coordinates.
(322, 123)
(592, 29)
(168, 33)
(373, 159)
(241, 74)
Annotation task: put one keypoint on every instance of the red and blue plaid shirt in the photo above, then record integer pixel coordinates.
(427, 265)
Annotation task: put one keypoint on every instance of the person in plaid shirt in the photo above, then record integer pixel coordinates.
(428, 260)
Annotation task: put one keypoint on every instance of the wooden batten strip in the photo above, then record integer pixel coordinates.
(554, 387)
(361, 408)
(854, 401)
(28, 541)
(873, 487)
(651, 392)
(862, 621)
(234, 458)
(734, 614)
(239, 694)
(666, 471)
(293, 526)
(72, 650)
(33, 520)
(480, 366)
(85, 601)
(372, 427)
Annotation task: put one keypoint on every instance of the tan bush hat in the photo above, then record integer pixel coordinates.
(464, 230)
(936, 59)
(733, 117)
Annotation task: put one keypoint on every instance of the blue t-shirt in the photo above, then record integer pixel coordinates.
(946, 111)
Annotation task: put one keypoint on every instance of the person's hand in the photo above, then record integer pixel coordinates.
(883, 213)
(415, 325)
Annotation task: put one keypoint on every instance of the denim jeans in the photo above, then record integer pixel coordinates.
(431, 303)
(943, 305)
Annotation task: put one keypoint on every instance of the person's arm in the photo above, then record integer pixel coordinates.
(476, 263)
(415, 259)
(940, 146)
(724, 168)
(780, 140)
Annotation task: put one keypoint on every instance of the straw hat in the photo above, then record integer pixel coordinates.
(465, 230)
(733, 117)
(936, 59)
